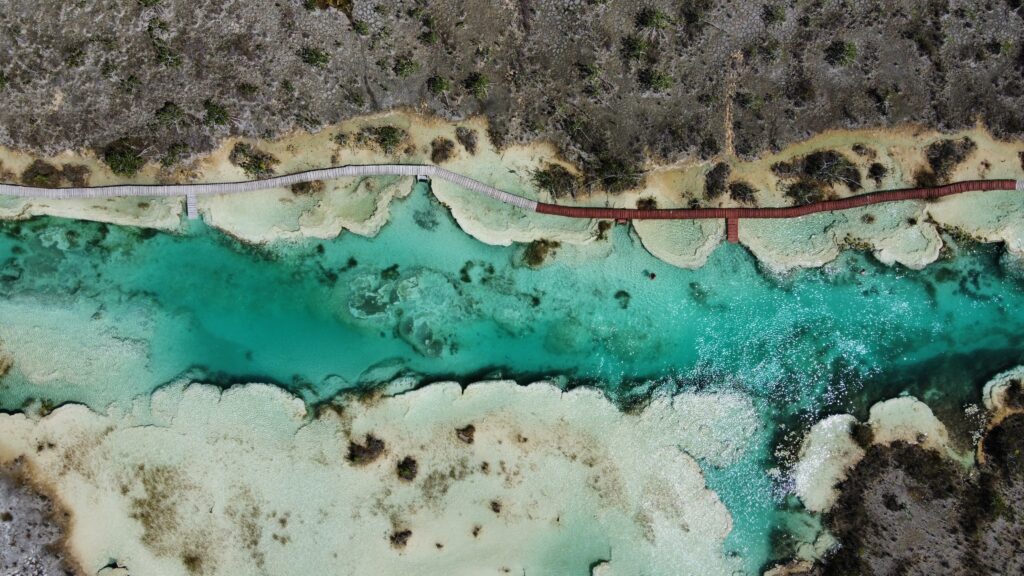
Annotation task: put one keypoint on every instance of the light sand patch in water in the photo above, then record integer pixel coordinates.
(245, 481)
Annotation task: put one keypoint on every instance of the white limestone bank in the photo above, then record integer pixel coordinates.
(245, 481)
(830, 451)
(906, 233)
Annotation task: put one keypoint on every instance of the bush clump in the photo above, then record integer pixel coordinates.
(438, 85)
(216, 115)
(387, 137)
(805, 191)
(466, 137)
(840, 53)
(831, 167)
(742, 192)
(556, 180)
(441, 150)
(405, 66)
(477, 84)
(876, 172)
(943, 157)
(715, 181)
(614, 173)
(255, 162)
(654, 80)
(41, 175)
(314, 57)
(123, 158)
(407, 469)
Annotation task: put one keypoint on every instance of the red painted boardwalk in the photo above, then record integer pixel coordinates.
(732, 230)
(734, 214)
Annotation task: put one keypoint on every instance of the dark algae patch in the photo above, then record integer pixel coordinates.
(407, 468)
(365, 453)
(466, 433)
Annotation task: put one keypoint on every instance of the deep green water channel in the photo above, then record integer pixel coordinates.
(425, 299)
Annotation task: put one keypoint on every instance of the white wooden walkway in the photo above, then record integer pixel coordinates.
(192, 191)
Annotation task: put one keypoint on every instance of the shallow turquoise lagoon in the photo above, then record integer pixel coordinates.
(425, 299)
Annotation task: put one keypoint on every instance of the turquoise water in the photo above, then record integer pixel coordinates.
(425, 299)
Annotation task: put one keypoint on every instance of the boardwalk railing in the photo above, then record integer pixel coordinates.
(730, 215)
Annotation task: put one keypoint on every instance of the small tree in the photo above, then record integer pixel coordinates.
(477, 84)
(438, 85)
(123, 158)
(654, 80)
(841, 53)
(314, 57)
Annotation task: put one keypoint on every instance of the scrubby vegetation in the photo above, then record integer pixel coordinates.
(556, 180)
(466, 137)
(742, 192)
(123, 158)
(943, 157)
(812, 178)
(716, 180)
(441, 150)
(387, 137)
(255, 162)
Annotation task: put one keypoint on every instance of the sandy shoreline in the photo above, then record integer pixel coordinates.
(907, 233)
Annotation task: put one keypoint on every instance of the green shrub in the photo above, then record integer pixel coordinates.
(477, 84)
(742, 192)
(387, 137)
(635, 47)
(441, 150)
(715, 181)
(256, 163)
(652, 18)
(438, 85)
(840, 53)
(169, 114)
(405, 66)
(174, 155)
(41, 175)
(556, 180)
(314, 57)
(654, 80)
(246, 89)
(216, 115)
(772, 14)
(3, 80)
(123, 158)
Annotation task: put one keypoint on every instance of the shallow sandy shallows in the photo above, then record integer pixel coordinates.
(906, 233)
(244, 481)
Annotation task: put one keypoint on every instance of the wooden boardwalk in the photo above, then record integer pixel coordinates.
(732, 216)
